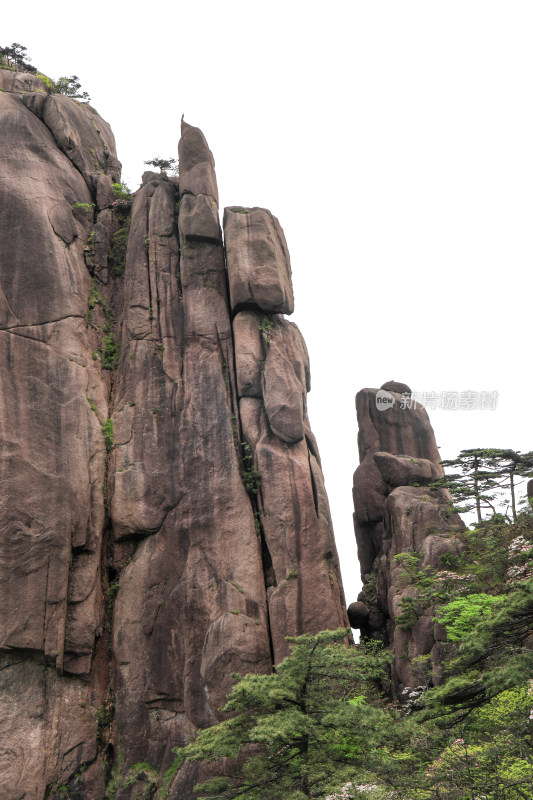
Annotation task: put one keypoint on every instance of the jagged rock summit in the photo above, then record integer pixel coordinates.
(163, 519)
(397, 512)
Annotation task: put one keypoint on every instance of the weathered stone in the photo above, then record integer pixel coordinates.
(249, 353)
(396, 430)
(358, 614)
(259, 269)
(47, 726)
(405, 470)
(304, 587)
(79, 131)
(285, 378)
(105, 195)
(143, 557)
(199, 219)
(401, 429)
(197, 165)
(21, 82)
(397, 513)
(272, 362)
(52, 440)
(399, 388)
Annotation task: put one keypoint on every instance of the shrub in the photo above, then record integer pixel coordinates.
(110, 351)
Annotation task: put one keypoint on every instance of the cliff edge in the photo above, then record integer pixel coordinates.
(163, 518)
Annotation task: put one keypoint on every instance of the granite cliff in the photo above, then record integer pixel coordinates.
(163, 518)
(397, 512)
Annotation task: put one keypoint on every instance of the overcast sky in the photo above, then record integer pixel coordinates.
(394, 142)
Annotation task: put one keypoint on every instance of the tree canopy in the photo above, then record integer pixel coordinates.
(71, 88)
(16, 57)
(320, 726)
(162, 164)
(486, 480)
(306, 728)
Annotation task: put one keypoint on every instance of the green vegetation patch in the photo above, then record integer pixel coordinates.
(118, 249)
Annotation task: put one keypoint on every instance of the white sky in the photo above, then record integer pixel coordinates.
(393, 140)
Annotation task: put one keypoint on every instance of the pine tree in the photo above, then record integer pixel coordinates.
(302, 731)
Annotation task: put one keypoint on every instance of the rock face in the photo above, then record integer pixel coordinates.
(163, 519)
(260, 272)
(400, 521)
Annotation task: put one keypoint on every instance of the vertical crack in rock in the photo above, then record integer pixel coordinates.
(145, 555)
(396, 512)
(303, 585)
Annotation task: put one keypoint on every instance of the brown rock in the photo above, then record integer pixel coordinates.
(358, 614)
(191, 608)
(105, 196)
(137, 573)
(21, 82)
(405, 470)
(396, 512)
(79, 131)
(285, 378)
(398, 388)
(305, 592)
(398, 430)
(52, 462)
(249, 353)
(259, 269)
(199, 219)
(197, 165)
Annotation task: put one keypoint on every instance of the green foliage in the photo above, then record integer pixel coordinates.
(318, 723)
(428, 585)
(96, 301)
(46, 80)
(92, 404)
(162, 164)
(57, 791)
(250, 474)
(118, 249)
(113, 588)
(104, 717)
(492, 656)
(141, 772)
(487, 479)
(307, 728)
(461, 616)
(116, 781)
(110, 351)
(109, 434)
(122, 192)
(71, 88)
(16, 58)
(485, 755)
(265, 329)
(84, 206)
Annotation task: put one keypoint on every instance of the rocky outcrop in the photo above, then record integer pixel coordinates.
(403, 527)
(260, 271)
(163, 519)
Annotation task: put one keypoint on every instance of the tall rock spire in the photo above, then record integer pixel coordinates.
(396, 512)
(300, 560)
(164, 521)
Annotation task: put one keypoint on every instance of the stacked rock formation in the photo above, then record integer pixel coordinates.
(163, 519)
(396, 512)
